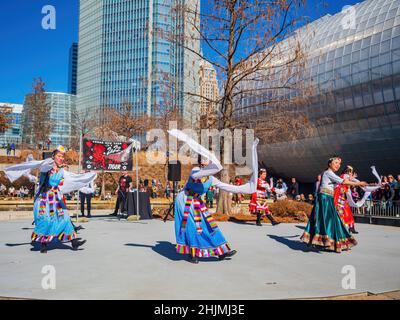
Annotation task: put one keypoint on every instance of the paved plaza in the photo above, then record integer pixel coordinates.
(136, 260)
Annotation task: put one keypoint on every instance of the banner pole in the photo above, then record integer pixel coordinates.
(79, 171)
(137, 182)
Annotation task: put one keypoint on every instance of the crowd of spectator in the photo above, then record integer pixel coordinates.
(10, 148)
(389, 193)
(12, 192)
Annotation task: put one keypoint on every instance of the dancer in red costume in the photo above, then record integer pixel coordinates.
(341, 202)
(258, 204)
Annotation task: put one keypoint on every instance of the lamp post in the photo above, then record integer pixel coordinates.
(136, 146)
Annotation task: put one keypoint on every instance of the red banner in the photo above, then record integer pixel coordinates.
(107, 156)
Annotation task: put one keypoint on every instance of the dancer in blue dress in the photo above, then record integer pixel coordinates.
(50, 212)
(197, 233)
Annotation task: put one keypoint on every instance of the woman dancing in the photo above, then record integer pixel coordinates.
(325, 228)
(258, 203)
(50, 213)
(197, 233)
(341, 202)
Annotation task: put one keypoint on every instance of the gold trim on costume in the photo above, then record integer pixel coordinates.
(327, 191)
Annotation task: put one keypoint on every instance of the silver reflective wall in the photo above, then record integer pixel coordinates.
(360, 67)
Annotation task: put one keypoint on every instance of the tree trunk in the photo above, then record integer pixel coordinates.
(224, 204)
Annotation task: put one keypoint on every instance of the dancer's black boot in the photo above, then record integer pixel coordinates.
(78, 228)
(352, 230)
(258, 222)
(193, 259)
(76, 244)
(43, 248)
(227, 255)
(271, 218)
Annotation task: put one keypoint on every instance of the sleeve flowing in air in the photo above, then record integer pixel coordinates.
(367, 191)
(17, 171)
(74, 181)
(215, 166)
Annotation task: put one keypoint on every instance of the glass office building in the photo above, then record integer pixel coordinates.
(355, 68)
(125, 56)
(73, 69)
(12, 134)
(62, 115)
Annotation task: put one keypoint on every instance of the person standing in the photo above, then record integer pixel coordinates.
(238, 197)
(168, 190)
(85, 194)
(8, 149)
(124, 185)
(397, 191)
(293, 188)
(48, 143)
(280, 190)
(13, 148)
(210, 197)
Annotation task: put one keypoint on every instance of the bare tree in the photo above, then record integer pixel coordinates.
(122, 121)
(36, 118)
(244, 41)
(82, 124)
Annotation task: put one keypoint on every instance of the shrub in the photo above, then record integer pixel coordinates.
(299, 211)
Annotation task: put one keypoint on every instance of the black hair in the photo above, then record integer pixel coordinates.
(348, 170)
(260, 171)
(43, 184)
(331, 159)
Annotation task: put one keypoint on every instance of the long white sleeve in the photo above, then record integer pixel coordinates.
(211, 169)
(368, 190)
(247, 188)
(196, 147)
(74, 181)
(23, 169)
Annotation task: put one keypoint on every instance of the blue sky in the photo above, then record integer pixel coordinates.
(28, 51)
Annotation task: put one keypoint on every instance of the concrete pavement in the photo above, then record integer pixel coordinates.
(136, 260)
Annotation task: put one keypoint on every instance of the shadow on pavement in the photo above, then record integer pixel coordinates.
(301, 227)
(251, 223)
(294, 244)
(167, 250)
(36, 246)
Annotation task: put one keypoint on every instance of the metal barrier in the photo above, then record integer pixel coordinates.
(379, 209)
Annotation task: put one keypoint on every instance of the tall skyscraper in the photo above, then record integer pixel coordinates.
(126, 56)
(73, 69)
(208, 90)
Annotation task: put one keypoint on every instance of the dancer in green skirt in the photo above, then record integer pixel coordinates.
(325, 228)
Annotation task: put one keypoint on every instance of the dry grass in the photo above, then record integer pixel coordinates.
(283, 211)
(292, 210)
(286, 211)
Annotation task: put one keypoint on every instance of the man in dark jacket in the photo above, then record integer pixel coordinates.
(293, 189)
